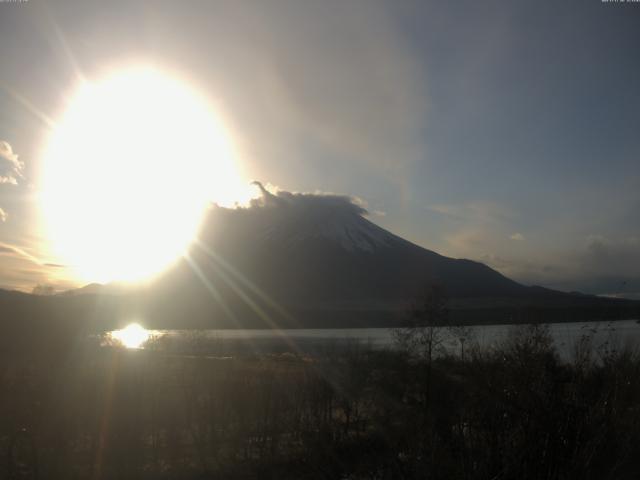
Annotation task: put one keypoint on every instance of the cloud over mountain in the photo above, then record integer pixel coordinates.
(305, 201)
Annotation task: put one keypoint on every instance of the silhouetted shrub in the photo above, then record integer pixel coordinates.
(513, 411)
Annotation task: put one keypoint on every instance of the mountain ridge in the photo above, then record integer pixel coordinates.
(307, 260)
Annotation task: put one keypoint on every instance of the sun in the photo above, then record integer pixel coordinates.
(129, 172)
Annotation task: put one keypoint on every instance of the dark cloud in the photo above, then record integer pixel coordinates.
(613, 286)
(610, 266)
(612, 257)
(282, 213)
(307, 201)
(525, 271)
(602, 266)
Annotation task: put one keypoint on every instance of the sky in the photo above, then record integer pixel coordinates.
(501, 131)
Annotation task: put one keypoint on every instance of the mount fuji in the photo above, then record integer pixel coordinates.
(308, 260)
(295, 259)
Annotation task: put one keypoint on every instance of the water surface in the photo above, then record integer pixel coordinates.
(613, 334)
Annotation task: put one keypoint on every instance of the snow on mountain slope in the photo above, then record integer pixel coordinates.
(296, 218)
(348, 230)
(319, 246)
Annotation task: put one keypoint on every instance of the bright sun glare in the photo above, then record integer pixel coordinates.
(129, 172)
(132, 336)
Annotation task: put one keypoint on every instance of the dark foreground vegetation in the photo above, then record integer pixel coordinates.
(350, 412)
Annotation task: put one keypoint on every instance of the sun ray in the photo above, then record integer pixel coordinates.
(253, 305)
(26, 103)
(212, 289)
(248, 283)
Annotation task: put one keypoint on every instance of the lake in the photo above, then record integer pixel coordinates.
(613, 334)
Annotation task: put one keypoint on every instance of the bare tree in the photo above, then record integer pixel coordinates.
(423, 336)
(462, 334)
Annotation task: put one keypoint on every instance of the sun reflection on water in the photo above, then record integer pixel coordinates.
(132, 336)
